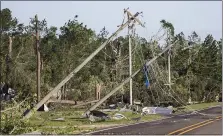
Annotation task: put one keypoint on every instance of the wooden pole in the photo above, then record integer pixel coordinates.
(78, 68)
(130, 66)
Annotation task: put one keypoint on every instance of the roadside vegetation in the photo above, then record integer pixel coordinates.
(63, 48)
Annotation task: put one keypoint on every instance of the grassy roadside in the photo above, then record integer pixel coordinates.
(74, 124)
(193, 107)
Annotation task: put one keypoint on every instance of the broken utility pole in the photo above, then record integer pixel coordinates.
(125, 81)
(78, 68)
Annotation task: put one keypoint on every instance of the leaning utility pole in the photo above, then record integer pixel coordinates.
(38, 59)
(78, 68)
(125, 81)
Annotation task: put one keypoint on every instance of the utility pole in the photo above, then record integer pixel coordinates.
(38, 59)
(79, 67)
(189, 62)
(126, 81)
(169, 72)
(129, 15)
(130, 65)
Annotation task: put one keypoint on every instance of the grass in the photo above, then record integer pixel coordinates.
(199, 106)
(75, 124)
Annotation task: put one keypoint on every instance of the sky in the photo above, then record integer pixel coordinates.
(204, 17)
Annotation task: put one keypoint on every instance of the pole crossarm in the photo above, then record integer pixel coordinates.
(134, 17)
(126, 81)
(78, 68)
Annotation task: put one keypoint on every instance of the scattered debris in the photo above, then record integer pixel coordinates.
(98, 116)
(156, 110)
(59, 119)
(125, 109)
(136, 119)
(160, 110)
(6, 93)
(148, 110)
(113, 106)
(118, 116)
(120, 104)
(33, 133)
(109, 110)
(43, 108)
(170, 107)
(194, 112)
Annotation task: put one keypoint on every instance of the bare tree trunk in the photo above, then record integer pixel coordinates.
(1, 64)
(98, 91)
(62, 93)
(8, 59)
(10, 46)
(38, 60)
(65, 91)
(41, 64)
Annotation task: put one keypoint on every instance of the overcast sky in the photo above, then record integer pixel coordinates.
(204, 17)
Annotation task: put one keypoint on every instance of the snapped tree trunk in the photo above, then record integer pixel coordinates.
(8, 59)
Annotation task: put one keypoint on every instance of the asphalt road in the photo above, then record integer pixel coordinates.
(209, 122)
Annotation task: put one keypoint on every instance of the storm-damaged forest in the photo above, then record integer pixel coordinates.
(195, 66)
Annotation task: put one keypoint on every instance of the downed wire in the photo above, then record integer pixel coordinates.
(126, 81)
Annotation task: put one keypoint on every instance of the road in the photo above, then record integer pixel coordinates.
(208, 122)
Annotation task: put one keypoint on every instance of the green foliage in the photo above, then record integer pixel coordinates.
(62, 52)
